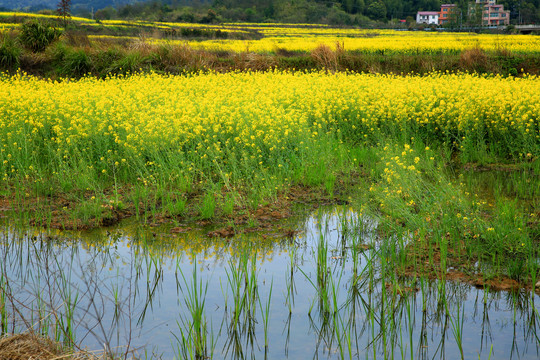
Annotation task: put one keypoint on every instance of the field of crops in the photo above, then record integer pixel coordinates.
(228, 125)
(368, 41)
(390, 41)
(252, 135)
(112, 47)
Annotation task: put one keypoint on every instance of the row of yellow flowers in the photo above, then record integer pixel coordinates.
(382, 45)
(402, 42)
(24, 15)
(260, 119)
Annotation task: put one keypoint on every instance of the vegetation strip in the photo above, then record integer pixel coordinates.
(207, 146)
(53, 49)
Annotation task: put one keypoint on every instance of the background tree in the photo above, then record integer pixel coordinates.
(376, 10)
(64, 11)
(475, 14)
(107, 13)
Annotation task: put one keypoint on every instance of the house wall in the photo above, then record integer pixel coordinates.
(495, 15)
(492, 13)
(427, 17)
(446, 13)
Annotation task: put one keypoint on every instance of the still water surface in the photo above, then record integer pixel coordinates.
(127, 290)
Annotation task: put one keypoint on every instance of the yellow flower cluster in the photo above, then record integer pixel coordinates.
(361, 40)
(260, 119)
(14, 15)
(8, 26)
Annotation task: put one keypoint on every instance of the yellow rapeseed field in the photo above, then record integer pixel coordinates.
(24, 15)
(254, 120)
(380, 41)
(361, 40)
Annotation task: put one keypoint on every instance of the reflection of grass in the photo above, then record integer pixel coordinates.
(242, 281)
(265, 313)
(536, 319)
(48, 299)
(388, 303)
(194, 330)
(369, 311)
(457, 323)
(3, 305)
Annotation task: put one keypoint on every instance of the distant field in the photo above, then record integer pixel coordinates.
(269, 38)
(384, 41)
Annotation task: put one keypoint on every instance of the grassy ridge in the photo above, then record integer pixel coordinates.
(77, 55)
(119, 47)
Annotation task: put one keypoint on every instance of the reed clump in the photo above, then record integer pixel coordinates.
(10, 52)
(327, 58)
(474, 59)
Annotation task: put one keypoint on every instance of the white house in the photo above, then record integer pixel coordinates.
(427, 17)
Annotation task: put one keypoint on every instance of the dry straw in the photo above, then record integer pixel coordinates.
(27, 346)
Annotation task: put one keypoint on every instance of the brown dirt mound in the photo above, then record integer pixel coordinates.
(31, 346)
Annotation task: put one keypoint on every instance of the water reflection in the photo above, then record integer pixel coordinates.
(328, 293)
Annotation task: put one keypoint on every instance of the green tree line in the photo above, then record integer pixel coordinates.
(337, 12)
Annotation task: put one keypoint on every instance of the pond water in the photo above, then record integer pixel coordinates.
(322, 293)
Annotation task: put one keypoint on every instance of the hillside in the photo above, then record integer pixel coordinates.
(338, 12)
(36, 5)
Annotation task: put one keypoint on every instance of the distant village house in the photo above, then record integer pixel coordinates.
(427, 17)
(492, 14)
(447, 13)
